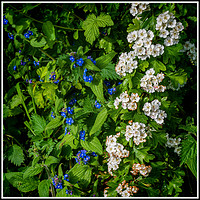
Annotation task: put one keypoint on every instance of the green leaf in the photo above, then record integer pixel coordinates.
(75, 35)
(93, 145)
(106, 45)
(158, 66)
(32, 171)
(97, 87)
(38, 123)
(16, 100)
(60, 171)
(133, 27)
(104, 60)
(90, 65)
(9, 16)
(23, 185)
(22, 24)
(81, 173)
(51, 160)
(192, 164)
(49, 90)
(16, 155)
(70, 140)
(140, 118)
(54, 123)
(144, 65)
(40, 43)
(43, 188)
(39, 100)
(192, 18)
(101, 118)
(42, 71)
(178, 77)
(142, 154)
(92, 23)
(109, 73)
(49, 31)
(188, 150)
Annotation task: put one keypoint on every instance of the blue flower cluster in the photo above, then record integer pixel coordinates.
(87, 78)
(68, 191)
(82, 156)
(73, 101)
(97, 105)
(82, 135)
(23, 63)
(36, 63)
(79, 61)
(69, 121)
(15, 67)
(52, 76)
(52, 115)
(29, 81)
(111, 90)
(66, 177)
(28, 34)
(5, 21)
(94, 61)
(57, 183)
(11, 36)
(107, 83)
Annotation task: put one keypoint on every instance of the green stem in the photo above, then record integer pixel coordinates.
(52, 188)
(47, 54)
(17, 142)
(73, 29)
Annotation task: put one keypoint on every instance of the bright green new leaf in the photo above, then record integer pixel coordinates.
(101, 118)
(143, 155)
(109, 73)
(92, 23)
(38, 123)
(16, 155)
(75, 35)
(49, 90)
(144, 65)
(158, 66)
(32, 171)
(43, 188)
(42, 71)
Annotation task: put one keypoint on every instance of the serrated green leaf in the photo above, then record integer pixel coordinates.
(106, 45)
(49, 90)
(43, 188)
(142, 154)
(140, 118)
(158, 66)
(92, 23)
(188, 149)
(16, 155)
(101, 118)
(109, 73)
(32, 171)
(23, 185)
(133, 27)
(38, 123)
(42, 71)
(104, 60)
(39, 100)
(144, 65)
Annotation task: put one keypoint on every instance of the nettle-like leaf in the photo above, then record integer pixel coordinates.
(24, 185)
(39, 123)
(43, 188)
(189, 153)
(49, 90)
(92, 23)
(109, 73)
(16, 155)
(32, 171)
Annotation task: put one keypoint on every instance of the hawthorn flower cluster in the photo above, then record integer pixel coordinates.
(138, 8)
(137, 131)
(191, 51)
(173, 142)
(125, 190)
(126, 63)
(169, 28)
(141, 168)
(143, 47)
(127, 102)
(152, 110)
(115, 151)
(149, 82)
